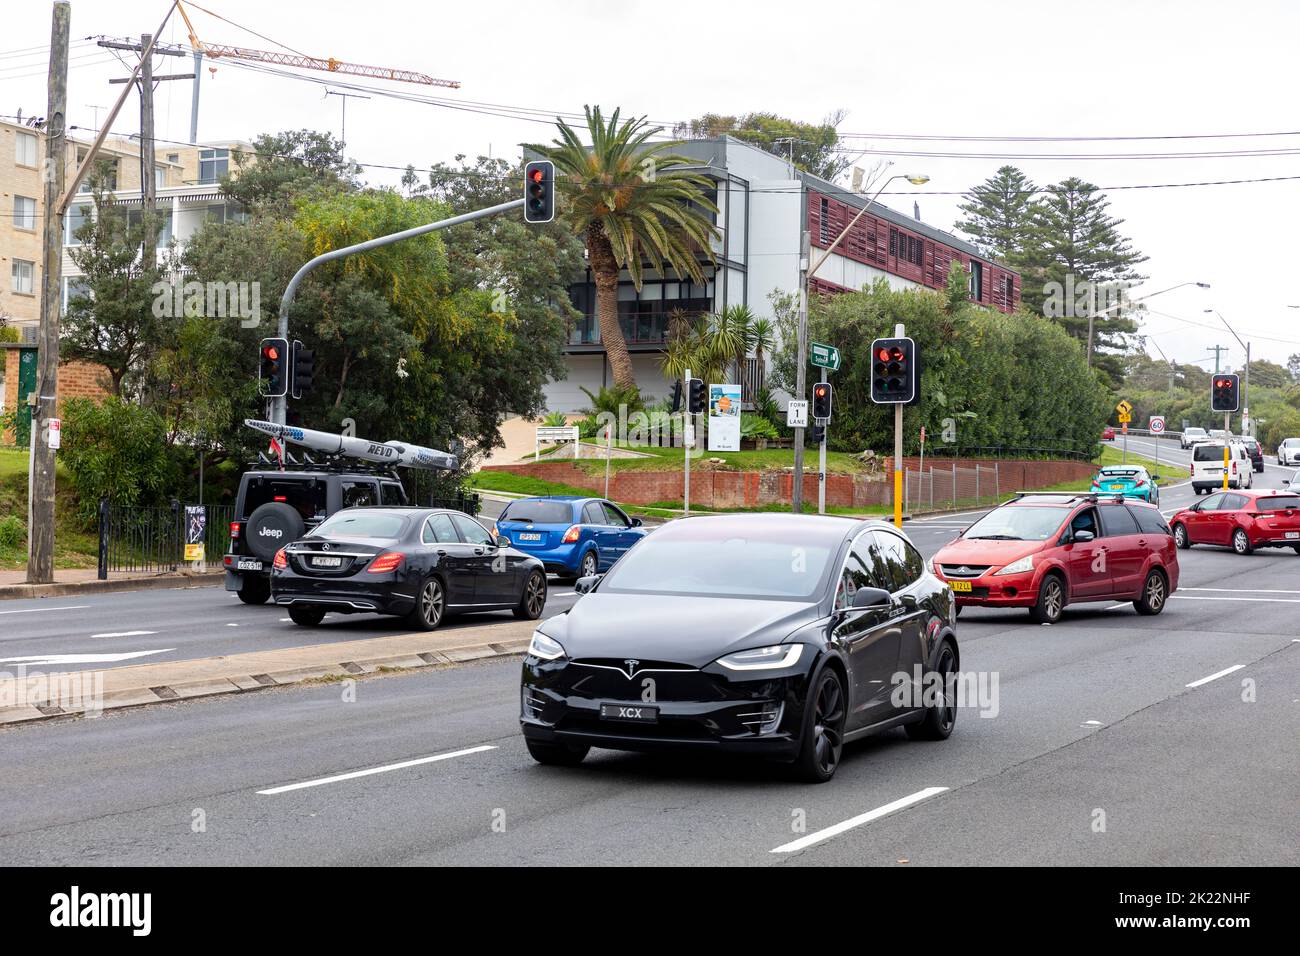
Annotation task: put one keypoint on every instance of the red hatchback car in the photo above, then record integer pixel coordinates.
(1044, 551)
(1243, 520)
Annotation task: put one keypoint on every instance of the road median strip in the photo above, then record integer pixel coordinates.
(30, 696)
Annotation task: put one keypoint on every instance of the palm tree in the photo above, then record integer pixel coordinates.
(632, 202)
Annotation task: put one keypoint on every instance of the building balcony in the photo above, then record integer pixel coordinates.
(645, 325)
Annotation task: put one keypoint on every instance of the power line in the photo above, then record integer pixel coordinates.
(1061, 139)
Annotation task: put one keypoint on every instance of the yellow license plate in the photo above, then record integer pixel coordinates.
(959, 585)
(1116, 487)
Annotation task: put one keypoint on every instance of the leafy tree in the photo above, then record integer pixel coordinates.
(286, 166)
(1266, 374)
(999, 214)
(115, 450)
(111, 323)
(814, 147)
(632, 201)
(1293, 366)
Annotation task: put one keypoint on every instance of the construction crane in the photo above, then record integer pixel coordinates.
(326, 64)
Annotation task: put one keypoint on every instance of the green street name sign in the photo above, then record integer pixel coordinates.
(825, 356)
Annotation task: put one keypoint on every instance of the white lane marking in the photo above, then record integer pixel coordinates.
(1223, 673)
(849, 824)
(46, 660)
(336, 778)
(33, 610)
(286, 619)
(1092, 723)
(1197, 597)
(124, 634)
(1244, 590)
(232, 625)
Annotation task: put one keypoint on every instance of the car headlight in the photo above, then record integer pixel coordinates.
(763, 658)
(1018, 567)
(547, 648)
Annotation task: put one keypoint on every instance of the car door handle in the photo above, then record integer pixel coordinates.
(442, 553)
(480, 551)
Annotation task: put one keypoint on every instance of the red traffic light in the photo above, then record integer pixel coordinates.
(537, 175)
(820, 391)
(272, 353)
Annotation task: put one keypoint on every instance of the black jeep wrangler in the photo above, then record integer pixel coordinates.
(275, 507)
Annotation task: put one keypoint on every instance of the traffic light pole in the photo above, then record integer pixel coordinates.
(898, 448)
(280, 404)
(688, 433)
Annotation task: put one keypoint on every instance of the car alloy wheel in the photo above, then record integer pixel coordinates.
(1154, 593)
(828, 724)
(939, 720)
(430, 604)
(588, 565)
(1051, 601)
(1180, 536)
(1240, 542)
(533, 600)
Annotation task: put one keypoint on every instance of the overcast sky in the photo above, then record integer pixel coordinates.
(1034, 68)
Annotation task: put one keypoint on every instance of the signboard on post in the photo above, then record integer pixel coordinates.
(56, 432)
(724, 417)
(1157, 424)
(796, 414)
(824, 356)
(196, 523)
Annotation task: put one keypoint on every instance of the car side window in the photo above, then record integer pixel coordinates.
(1233, 502)
(894, 558)
(1150, 521)
(592, 513)
(390, 493)
(1117, 520)
(359, 494)
(1086, 520)
(439, 529)
(855, 576)
(614, 516)
(470, 530)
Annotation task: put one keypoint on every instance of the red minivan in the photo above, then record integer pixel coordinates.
(1243, 520)
(1043, 551)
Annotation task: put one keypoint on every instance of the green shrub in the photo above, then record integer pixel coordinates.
(13, 533)
(756, 426)
(115, 450)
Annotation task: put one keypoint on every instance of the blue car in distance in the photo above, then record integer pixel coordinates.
(574, 537)
(1131, 481)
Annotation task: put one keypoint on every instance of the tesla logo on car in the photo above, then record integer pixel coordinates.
(631, 667)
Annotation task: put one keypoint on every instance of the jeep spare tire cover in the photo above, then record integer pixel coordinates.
(271, 526)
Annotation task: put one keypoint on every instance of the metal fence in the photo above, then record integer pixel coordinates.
(1033, 448)
(951, 487)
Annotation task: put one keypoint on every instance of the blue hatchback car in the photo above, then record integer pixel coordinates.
(574, 537)
(1131, 481)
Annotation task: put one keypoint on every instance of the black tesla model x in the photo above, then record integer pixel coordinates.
(778, 635)
(420, 563)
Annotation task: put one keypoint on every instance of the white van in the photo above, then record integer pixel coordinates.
(1207, 466)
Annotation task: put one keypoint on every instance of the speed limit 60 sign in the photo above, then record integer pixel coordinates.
(1157, 424)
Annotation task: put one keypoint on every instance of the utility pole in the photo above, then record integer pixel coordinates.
(801, 366)
(40, 523)
(148, 181)
(343, 133)
(1216, 350)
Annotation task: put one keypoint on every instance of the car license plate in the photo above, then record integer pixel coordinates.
(1116, 487)
(248, 564)
(528, 536)
(960, 585)
(1293, 534)
(639, 713)
(327, 562)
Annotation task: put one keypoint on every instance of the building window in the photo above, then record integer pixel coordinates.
(976, 280)
(24, 213)
(174, 158)
(25, 149)
(74, 287)
(213, 164)
(824, 230)
(162, 218)
(159, 177)
(78, 215)
(226, 212)
(24, 276)
(893, 243)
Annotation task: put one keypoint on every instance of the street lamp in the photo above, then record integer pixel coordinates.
(1098, 315)
(1245, 378)
(801, 375)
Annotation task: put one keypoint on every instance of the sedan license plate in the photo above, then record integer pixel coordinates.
(326, 562)
(963, 586)
(1293, 534)
(639, 713)
(248, 564)
(527, 536)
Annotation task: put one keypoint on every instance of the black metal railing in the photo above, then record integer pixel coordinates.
(468, 502)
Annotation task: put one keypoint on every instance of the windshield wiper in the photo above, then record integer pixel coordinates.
(996, 537)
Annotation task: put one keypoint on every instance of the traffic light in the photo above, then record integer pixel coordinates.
(822, 395)
(695, 396)
(816, 433)
(273, 368)
(893, 371)
(539, 191)
(677, 396)
(1225, 393)
(303, 367)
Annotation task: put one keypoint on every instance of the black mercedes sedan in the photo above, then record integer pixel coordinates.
(779, 635)
(419, 563)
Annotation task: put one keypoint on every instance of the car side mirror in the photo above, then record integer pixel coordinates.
(503, 541)
(1080, 537)
(636, 522)
(584, 585)
(871, 597)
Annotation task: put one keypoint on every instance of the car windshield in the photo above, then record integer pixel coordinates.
(361, 524)
(1277, 502)
(1195, 431)
(539, 512)
(1207, 453)
(1019, 523)
(759, 564)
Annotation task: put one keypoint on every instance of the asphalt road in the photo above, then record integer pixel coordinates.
(1116, 740)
